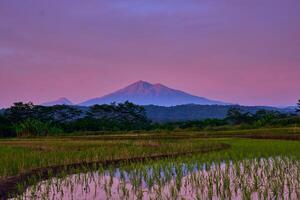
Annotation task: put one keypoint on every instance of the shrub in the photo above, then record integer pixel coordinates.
(33, 127)
(6, 128)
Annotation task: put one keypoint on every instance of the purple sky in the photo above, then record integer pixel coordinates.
(245, 52)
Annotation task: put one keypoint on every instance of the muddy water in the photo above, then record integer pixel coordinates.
(272, 178)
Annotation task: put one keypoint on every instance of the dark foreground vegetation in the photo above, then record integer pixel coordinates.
(192, 112)
(136, 144)
(27, 120)
(25, 162)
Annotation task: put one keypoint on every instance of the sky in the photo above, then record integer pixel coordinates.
(245, 52)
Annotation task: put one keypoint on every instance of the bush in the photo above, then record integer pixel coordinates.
(6, 128)
(33, 127)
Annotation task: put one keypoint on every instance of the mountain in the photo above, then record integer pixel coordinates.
(60, 101)
(201, 112)
(144, 93)
(187, 112)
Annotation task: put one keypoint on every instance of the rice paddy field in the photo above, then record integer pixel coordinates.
(250, 164)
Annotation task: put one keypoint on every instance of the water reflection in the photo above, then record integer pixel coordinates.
(272, 178)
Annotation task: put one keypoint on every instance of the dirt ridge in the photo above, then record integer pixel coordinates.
(8, 186)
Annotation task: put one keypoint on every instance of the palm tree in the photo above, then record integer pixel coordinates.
(298, 107)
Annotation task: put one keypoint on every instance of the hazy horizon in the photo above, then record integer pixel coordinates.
(238, 52)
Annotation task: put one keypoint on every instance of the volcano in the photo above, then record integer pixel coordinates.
(144, 93)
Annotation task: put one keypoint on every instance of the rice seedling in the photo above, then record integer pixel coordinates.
(263, 178)
(19, 156)
(249, 169)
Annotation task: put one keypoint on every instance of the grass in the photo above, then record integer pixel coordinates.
(240, 149)
(270, 169)
(21, 155)
(276, 178)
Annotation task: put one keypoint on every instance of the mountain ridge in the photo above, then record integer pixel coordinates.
(145, 93)
(190, 112)
(59, 101)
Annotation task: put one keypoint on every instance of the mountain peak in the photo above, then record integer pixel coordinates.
(145, 93)
(138, 86)
(63, 99)
(59, 101)
(141, 83)
(145, 84)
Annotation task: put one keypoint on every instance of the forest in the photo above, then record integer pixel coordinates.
(29, 120)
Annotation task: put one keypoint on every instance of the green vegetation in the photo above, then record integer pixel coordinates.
(25, 154)
(33, 127)
(37, 139)
(264, 178)
(28, 120)
(19, 155)
(238, 120)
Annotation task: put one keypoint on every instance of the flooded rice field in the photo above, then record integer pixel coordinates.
(264, 178)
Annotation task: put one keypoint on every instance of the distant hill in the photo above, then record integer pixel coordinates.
(187, 112)
(200, 112)
(193, 112)
(144, 93)
(60, 101)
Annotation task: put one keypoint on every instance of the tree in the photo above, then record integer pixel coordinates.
(6, 127)
(34, 127)
(61, 113)
(101, 111)
(58, 114)
(235, 116)
(122, 116)
(19, 112)
(264, 117)
(266, 114)
(298, 106)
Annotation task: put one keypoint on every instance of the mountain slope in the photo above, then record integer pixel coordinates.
(60, 101)
(144, 93)
(201, 112)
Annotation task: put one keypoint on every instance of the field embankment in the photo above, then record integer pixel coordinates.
(48, 156)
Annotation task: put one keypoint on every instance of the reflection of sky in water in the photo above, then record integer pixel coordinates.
(190, 181)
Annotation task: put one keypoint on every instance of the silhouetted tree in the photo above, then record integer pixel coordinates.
(101, 111)
(6, 127)
(19, 112)
(235, 116)
(54, 114)
(61, 113)
(266, 114)
(131, 112)
(122, 116)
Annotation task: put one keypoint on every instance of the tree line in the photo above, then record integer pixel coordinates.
(27, 119)
(237, 119)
